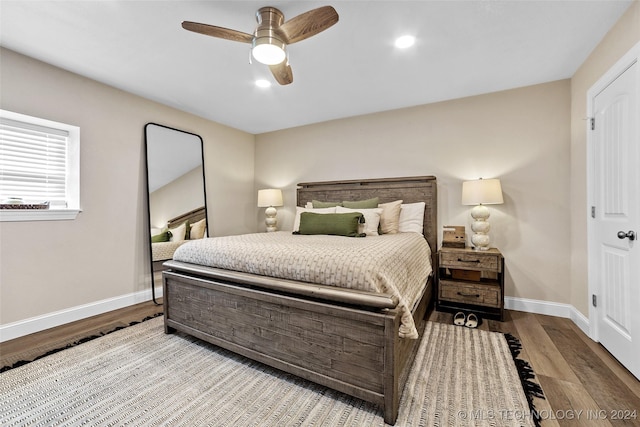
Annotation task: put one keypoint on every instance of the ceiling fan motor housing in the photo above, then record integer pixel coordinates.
(267, 45)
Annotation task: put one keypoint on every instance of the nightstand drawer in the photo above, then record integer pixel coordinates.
(486, 294)
(471, 260)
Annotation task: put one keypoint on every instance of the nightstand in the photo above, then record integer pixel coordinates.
(472, 281)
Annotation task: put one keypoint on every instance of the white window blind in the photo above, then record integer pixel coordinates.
(33, 163)
(39, 162)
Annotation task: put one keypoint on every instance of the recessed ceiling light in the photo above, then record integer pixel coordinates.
(263, 83)
(405, 42)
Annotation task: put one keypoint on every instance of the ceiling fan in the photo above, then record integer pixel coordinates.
(271, 37)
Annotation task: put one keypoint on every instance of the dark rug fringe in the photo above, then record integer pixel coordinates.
(531, 388)
(75, 343)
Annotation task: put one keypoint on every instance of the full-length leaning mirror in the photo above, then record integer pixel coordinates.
(177, 206)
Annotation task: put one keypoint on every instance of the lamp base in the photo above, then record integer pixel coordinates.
(480, 227)
(271, 221)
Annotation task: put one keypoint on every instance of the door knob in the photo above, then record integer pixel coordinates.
(630, 234)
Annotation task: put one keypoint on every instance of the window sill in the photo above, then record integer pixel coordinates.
(14, 215)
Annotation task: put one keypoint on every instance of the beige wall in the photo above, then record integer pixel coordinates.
(55, 265)
(620, 39)
(520, 136)
(176, 198)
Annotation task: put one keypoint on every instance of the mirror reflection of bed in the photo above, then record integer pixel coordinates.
(176, 198)
(163, 244)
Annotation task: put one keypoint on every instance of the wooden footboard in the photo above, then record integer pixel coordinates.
(345, 347)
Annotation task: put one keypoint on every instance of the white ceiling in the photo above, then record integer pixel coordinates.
(463, 48)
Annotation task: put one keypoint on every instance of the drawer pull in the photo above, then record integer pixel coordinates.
(466, 260)
(462, 294)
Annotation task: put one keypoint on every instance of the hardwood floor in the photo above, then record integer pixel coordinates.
(583, 384)
(30, 347)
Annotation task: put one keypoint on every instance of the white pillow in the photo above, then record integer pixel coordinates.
(198, 229)
(411, 218)
(299, 210)
(390, 218)
(371, 218)
(309, 205)
(178, 233)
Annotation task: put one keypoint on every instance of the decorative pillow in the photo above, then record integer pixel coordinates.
(390, 218)
(299, 210)
(371, 217)
(411, 218)
(179, 233)
(336, 224)
(197, 229)
(309, 205)
(318, 204)
(162, 237)
(362, 204)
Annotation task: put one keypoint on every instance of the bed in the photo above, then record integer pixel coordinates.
(346, 339)
(163, 251)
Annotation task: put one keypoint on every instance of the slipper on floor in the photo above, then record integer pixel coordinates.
(459, 319)
(472, 321)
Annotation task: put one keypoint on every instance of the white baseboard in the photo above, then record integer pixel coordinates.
(40, 323)
(57, 318)
(536, 306)
(581, 321)
(550, 309)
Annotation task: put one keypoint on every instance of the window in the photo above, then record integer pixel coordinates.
(39, 164)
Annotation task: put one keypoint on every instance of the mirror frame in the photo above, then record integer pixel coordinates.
(204, 194)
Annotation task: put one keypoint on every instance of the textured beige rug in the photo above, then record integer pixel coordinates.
(139, 376)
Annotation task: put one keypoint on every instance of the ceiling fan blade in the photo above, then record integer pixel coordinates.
(213, 31)
(308, 24)
(282, 72)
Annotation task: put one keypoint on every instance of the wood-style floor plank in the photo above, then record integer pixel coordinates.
(546, 360)
(579, 407)
(611, 395)
(30, 347)
(612, 363)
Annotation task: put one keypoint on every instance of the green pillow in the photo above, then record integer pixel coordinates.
(318, 204)
(337, 224)
(362, 204)
(162, 237)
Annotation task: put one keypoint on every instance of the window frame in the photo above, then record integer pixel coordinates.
(73, 175)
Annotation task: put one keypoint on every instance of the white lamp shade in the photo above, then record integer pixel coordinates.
(482, 191)
(269, 197)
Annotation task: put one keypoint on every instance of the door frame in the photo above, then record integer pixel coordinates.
(631, 57)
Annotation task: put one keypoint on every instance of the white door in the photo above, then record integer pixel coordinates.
(616, 161)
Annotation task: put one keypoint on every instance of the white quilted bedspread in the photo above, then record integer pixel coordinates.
(398, 264)
(164, 250)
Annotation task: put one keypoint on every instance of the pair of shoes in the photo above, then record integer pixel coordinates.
(471, 321)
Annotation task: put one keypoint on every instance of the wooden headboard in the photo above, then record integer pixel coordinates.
(408, 189)
(192, 216)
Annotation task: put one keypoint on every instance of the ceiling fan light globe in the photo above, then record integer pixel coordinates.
(268, 50)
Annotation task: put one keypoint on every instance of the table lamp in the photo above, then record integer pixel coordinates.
(481, 192)
(270, 198)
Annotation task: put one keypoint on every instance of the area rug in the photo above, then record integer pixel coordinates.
(140, 376)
